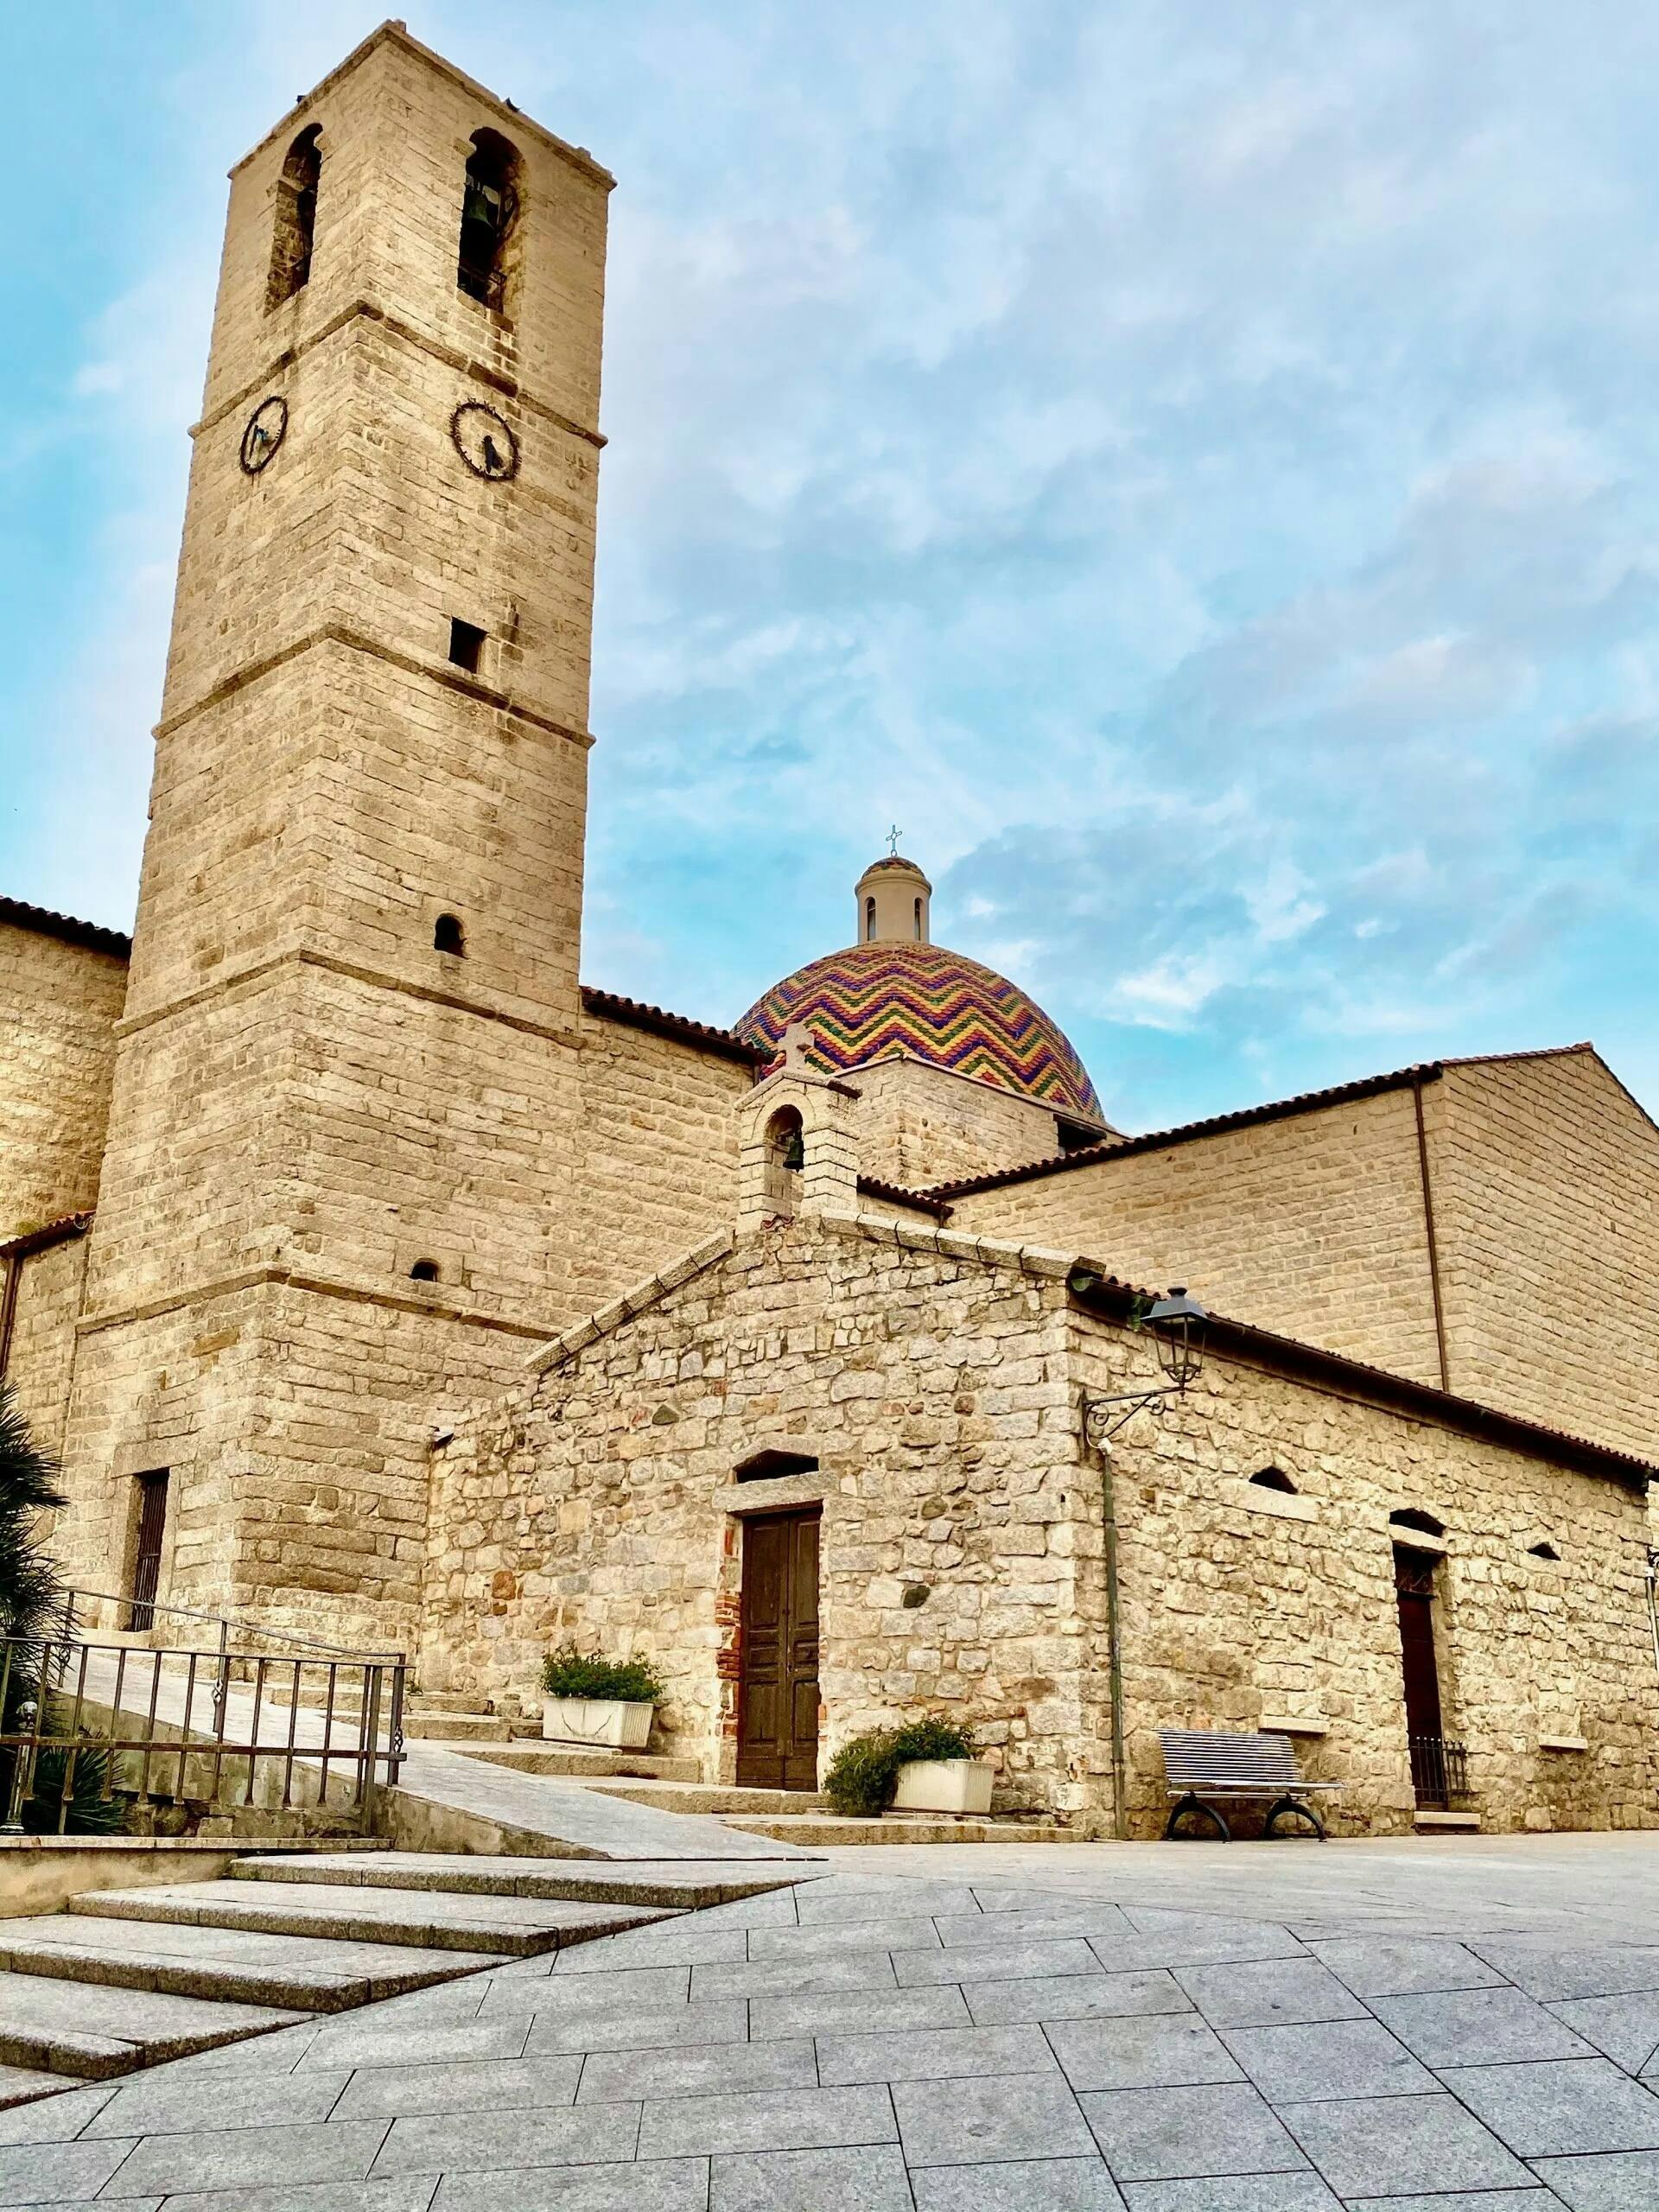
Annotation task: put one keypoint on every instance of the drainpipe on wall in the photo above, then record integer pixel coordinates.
(1651, 1578)
(1114, 1645)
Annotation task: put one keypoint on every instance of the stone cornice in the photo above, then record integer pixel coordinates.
(376, 978)
(432, 1303)
(504, 386)
(339, 634)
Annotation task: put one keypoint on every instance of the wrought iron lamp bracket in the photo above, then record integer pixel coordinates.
(1103, 1417)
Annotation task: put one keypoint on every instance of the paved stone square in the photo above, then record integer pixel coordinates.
(1466, 2025)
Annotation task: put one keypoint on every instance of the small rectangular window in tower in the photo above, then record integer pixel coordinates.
(466, 645)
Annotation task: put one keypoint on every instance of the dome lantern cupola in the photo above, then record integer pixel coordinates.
(893, 897)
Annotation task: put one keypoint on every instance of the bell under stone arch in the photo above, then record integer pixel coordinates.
(797, 1152)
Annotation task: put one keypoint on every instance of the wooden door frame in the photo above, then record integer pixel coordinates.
(799, 1511)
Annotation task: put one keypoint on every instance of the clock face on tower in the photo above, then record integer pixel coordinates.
(265, 430)
(484, 440)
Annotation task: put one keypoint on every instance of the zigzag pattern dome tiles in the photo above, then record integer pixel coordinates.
(880, 1001)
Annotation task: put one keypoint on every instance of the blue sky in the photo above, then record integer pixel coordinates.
(1193, 467)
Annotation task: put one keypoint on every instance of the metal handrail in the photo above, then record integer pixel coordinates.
(228, 1622)
(174, 1705)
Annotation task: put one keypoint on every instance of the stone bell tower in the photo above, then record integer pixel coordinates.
(345, 1076)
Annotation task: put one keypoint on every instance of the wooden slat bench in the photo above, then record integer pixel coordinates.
(1202, 1764)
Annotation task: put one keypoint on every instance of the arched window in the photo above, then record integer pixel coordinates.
(1274, 1478)
(489, 205)
(297, 219)
(424, 1271)
(785, 1158)
(448, 935)
(768, 1466)
(1424, 1523)
(869, 920)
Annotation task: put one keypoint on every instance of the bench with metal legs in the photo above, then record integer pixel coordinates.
(1201, 1766)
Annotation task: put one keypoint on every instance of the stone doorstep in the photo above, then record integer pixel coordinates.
(1465, 1823)
(708, 1797)
(827, 1829)
(449, 1727)
(574, 1761)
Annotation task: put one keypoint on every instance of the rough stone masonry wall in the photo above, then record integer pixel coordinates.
(1241, 1605)
(596, 1500)
(1546, 1193)
(1311, 1226)
(40, 1360)
(657, 1160)
(59, 1005)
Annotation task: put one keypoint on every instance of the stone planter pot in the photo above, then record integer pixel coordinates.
(617, 1724)
(943, 1786)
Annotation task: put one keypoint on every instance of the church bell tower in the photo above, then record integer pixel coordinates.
(346, 1076)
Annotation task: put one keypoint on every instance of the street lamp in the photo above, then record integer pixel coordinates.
(1178, 1322)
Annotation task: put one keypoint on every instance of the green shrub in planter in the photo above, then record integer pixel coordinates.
(864, 1773)
(570, 1673)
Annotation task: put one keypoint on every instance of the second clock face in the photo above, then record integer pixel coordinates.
(263, 432)
(484, 440)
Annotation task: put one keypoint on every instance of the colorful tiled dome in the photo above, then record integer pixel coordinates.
(880, 1001)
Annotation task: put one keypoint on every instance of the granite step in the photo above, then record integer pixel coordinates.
(717, 1798)
(818, 1831)
(452, 1727)
(683, 1883)
(509, 1927)
(537, 1756)
(21, 2085)
(92, 2031)
(229, 1966)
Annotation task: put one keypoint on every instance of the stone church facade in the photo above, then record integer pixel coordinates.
(373, 1275)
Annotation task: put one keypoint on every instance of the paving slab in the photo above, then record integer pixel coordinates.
(1064, 1919)
(870, 2179)
(967, 1962)
(790, 1977)
(683, 1942)
(1478, 2027)
(630, 1989)
(1549, 1974)
(1625, 2181)
(1303, 2192)
(650, 2186)
(249, 2158)
(30, 2173)
(639, 2028)
(1010, 2116)
(467, 2085)
(1146, 2051)
(412, 2196)
(1412, 2146)
(1574, 2104)
(1188, 2133)
(849, 1899)
(621, 2076)
(1460, 2200)
(1018, 2185)
(363, 2042)
(1334, 2058)
(932, 2055)
(1269, 1992)
(827, 2011)
(173, 2104)
(1401, 1968)
(1076, 1997)
(446, 2143)
(1623, 2029)
(782, 2119)
(823, 1938)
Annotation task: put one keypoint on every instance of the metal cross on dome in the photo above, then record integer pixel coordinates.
(893, 835)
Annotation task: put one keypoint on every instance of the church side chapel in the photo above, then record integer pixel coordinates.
(374, 1276)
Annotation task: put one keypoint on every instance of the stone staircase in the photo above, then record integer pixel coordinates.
(122, 1979)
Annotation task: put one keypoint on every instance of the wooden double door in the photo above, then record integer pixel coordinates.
(777, 1703)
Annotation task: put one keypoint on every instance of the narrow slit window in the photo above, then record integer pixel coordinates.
(448, 935)
(297, 219)
(918, 921)
(466, 645)
(869, 919)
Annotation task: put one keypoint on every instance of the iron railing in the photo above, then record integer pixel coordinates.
(210, 1716)
(1439, 1771)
